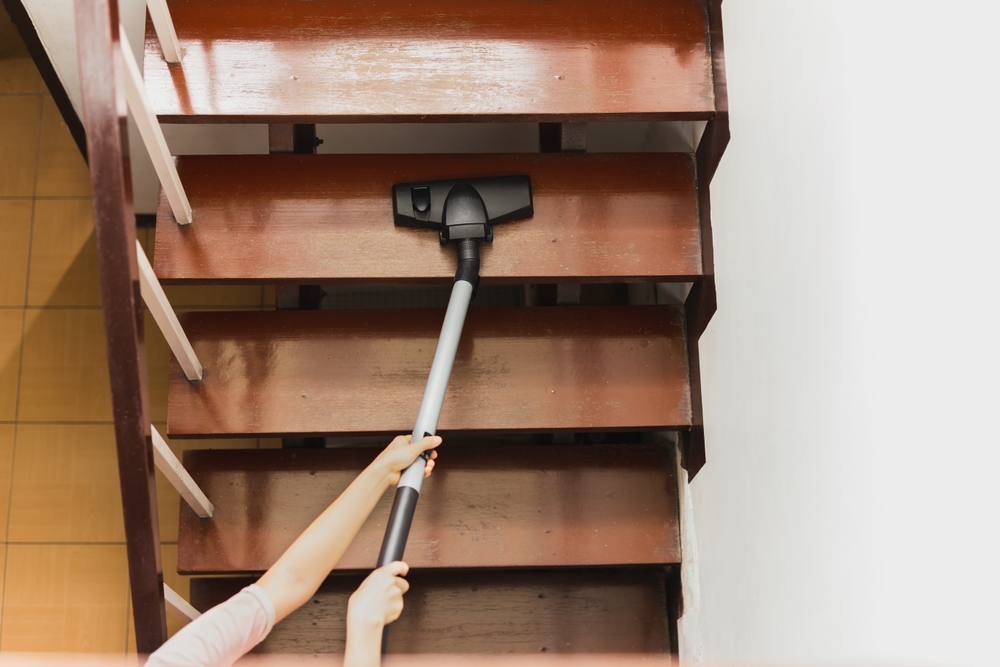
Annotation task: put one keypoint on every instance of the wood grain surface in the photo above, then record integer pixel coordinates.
(268, 218)
(106, 125)
(343, 61)
(512, 506)
(542, 611)
(363, 371)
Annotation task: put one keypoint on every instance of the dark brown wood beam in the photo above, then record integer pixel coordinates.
(114, 223)
(701, 302)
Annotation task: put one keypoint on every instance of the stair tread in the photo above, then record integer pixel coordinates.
(517, 370)
(598, 217)
(569, 611)
(247, 61)
(485, 506)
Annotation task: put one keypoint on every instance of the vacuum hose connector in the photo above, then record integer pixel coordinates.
(468, 263)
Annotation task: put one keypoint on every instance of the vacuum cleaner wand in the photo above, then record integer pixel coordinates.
(463, 211)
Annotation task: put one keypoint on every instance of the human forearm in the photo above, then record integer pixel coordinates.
(305, 564)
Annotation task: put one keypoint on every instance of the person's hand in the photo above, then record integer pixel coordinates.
(401, 453)
(379, 599)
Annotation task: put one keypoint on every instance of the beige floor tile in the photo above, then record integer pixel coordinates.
(11, 321)
(167, 498)
(64, 374)
(64, 487)
(6, 457)
(63, 269)
(158, 365)
(19, 75)
(15, 235)
(61, 169)
(65, 598)
(19, 126)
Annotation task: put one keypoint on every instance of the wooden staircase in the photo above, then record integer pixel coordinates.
(551, 522)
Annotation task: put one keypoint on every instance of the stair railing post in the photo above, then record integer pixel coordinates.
(178, 607)
(164, 26)
(179, 477)
(152, 136)
(166, 318)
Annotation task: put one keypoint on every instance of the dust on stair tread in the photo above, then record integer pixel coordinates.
(307, 373)
(249, 61)
(557, 611)
(328, 218)
(485, 506)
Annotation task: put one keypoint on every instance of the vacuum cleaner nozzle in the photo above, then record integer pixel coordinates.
(462, 208)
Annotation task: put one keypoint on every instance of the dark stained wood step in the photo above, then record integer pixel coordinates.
(568, 611)
(312, 373)
(325, 218)
(510, 506)
(252, 61)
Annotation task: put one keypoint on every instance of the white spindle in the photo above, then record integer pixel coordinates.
(163, 313)
(152, 136)
(164, 26)
(178, 607)
(179, 477)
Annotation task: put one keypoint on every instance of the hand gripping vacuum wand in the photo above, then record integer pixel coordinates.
(463, 211)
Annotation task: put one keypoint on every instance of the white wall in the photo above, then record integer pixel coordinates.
(850, 509)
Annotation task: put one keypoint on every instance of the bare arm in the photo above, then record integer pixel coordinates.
(294, 578)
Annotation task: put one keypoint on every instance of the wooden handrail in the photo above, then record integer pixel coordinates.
(106, 123)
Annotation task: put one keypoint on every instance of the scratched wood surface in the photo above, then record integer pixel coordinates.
(512, 506)
(541, 611)
(341, 61)
(517, 370)
(261, 218)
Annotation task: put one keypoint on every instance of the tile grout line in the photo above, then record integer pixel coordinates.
(45, 198)
(29, 543)
(20, 360)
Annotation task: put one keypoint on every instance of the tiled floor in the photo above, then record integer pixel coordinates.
(63, 575)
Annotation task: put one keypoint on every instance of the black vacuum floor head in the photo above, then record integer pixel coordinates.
(422, 204)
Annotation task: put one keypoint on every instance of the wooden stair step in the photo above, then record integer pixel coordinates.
(313, 373)
(324, 218)
(253, 61)
(546, 611)
(508, 506)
